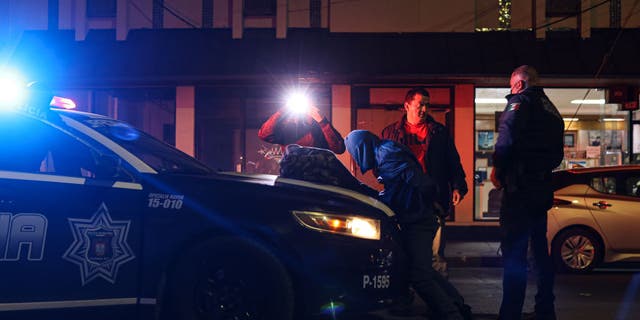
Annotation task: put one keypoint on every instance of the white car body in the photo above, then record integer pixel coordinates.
(602, 203)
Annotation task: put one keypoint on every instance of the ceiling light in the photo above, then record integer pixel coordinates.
(491, 100)
(612, 119)
(571, 119)
(588, 101)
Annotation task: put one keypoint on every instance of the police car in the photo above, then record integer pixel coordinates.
(96, 215)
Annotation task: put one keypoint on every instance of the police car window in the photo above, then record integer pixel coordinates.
(632, 186)
(29, 145)
(157, 154)
(604, 184)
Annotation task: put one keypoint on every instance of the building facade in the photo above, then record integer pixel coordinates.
(204, 74)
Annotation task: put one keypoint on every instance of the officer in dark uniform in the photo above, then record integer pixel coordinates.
(529, 147)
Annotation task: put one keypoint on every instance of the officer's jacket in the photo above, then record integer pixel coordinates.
(530, 143)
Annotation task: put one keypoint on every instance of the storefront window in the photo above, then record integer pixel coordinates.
(635, 137)
(596, 134)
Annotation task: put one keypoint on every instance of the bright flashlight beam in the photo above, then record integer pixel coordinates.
(298, 103)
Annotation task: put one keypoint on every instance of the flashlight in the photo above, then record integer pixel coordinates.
(298, 103)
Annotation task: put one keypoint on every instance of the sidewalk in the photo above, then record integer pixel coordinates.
(473, 254)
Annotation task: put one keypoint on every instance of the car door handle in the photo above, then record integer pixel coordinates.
(601, 204)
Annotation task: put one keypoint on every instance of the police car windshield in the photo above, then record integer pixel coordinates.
(155, 153)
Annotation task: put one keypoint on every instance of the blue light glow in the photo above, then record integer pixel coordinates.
(124, 132)
(12, 91)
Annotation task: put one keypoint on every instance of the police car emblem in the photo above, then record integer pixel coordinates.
(99, 246)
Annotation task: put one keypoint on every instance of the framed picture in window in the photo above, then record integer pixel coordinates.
(570, 139)
(485, 140)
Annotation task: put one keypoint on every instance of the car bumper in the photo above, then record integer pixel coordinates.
(352, 275)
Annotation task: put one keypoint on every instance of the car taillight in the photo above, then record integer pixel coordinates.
(560, 202)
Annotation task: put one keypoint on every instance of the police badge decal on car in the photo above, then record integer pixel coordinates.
(99, 246)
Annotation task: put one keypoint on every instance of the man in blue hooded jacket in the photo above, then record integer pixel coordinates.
(434, 147)
(410, 193)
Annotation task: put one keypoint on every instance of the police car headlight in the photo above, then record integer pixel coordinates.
(353, 226)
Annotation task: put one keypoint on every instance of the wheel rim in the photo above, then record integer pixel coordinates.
(222, 296)
(578, 252)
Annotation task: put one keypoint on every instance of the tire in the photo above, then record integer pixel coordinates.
(577, 250)
(230, 278)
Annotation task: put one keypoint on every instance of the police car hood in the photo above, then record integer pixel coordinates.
(276, 181)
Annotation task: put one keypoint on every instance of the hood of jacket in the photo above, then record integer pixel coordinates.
(363, 146)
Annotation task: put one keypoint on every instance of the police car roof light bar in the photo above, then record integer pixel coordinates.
(61, 102)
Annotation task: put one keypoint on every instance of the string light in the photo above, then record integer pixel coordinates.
(504, 14)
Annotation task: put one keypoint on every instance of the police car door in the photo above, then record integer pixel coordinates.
(69, 238)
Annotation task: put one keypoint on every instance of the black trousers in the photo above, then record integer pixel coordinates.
(437, 292)
(522, 223)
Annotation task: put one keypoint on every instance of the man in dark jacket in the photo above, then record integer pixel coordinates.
(434, 148)
(529, 147)
(409, 192)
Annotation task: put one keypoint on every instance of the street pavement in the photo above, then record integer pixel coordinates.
(611, 292)
(605, 294)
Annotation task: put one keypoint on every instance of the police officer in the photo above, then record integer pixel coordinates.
(529, 147)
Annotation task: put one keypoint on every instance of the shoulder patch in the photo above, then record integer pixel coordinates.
(514, 106)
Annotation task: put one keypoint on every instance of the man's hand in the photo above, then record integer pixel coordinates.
(314, 112)
(494, 179)
(456, 197)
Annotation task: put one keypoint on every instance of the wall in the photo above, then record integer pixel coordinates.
(298, 14)
(338, 16)
(402, 16)
(191, 10)
(464, 139)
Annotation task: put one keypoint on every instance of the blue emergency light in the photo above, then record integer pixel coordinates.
(15, 94)
(12, 92)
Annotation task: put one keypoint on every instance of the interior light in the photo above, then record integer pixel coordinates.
(491, 100)
(612, 119)
(588, 101)
(353, 226)
(571, 119)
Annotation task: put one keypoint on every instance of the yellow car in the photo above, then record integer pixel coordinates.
(595, 218)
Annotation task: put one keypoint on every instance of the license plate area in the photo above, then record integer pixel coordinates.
(376, 281)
